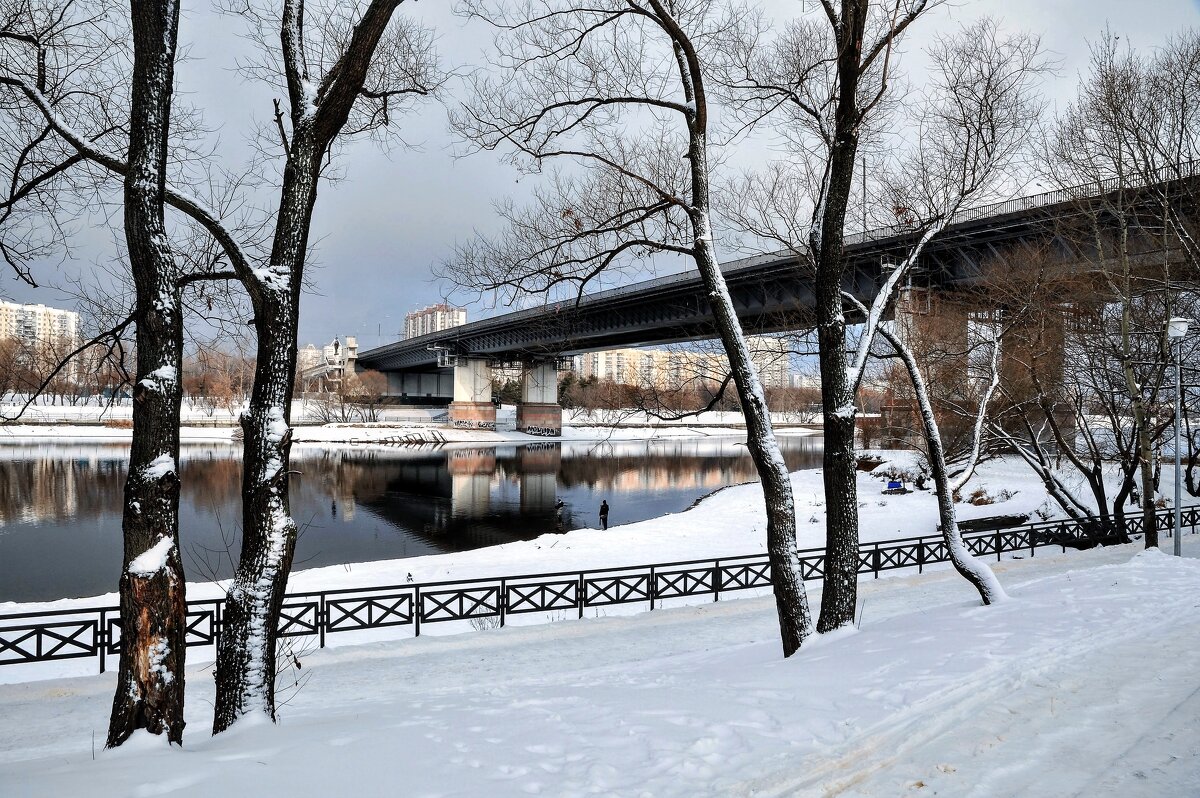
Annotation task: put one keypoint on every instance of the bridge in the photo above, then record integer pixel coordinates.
(770, 294)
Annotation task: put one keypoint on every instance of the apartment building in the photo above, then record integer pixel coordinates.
(38, 324)
(432, 319)
(672, 369)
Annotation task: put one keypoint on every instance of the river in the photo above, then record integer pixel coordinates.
(60, 504)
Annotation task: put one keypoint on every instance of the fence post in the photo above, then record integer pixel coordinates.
(581, 593)
(322, 618)
(652, 587)
(921, 555)
(417, 611)
(997, 543)
(501, 600)
(716, 581)
(876, 560)
(218, 624)
(102, 637)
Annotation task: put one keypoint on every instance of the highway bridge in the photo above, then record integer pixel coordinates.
(771, 293)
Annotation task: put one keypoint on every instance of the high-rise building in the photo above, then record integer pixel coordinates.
(38, 324)
(772, 360)
(432, 319)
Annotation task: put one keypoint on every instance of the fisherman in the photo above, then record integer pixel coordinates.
(604, 514)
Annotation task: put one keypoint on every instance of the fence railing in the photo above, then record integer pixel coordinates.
(96, 631)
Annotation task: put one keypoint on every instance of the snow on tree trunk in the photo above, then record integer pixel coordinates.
(791, 601)
(839, 460)
(246, 654)
(973, 570)
(150, 680)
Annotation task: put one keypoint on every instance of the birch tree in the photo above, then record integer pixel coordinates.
(611, 98)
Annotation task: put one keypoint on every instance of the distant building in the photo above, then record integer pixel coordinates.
(665, 369)
(771, 358)
(38, 324)
(673, 369)
(433, 319)
(322, 370)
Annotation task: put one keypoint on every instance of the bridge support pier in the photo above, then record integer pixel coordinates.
(472, 407)
(539, 412)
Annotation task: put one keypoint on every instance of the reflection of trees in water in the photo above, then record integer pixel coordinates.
(54, 484)
(212, 482)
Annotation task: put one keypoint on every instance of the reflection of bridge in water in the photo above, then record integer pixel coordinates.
(470, 497)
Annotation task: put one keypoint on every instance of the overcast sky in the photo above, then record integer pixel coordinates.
(396, 214)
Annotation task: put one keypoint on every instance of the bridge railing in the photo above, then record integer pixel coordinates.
(95, 632)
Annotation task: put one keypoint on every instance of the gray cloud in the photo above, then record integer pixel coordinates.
(395, 214)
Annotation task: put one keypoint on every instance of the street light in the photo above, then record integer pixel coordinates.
(1176, 329)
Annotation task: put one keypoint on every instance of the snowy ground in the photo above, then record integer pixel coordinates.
(1082, 685)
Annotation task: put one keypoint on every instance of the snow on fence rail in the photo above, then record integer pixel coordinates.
(96, 631)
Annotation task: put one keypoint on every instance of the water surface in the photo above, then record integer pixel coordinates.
(60, 504)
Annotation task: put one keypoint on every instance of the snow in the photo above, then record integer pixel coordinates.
(153, 559)
(159, 467)
(933, 695)
(273, 277)
(162, 377)
(86, 423)
(164, 373)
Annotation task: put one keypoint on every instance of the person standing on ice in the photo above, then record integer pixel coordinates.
(604, 513)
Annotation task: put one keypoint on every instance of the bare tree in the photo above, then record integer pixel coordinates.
(1129, 143)
(823, 79)
(617, 90)
(150, 682)
(967, 132)
(346, 71)
(351, 73)
(50, 51)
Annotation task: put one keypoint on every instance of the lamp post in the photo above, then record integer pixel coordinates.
(1176, 329)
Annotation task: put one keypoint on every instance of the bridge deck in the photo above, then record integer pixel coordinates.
(770, 292)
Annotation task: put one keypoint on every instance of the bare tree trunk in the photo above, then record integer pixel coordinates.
(320, 107)
(791, 601)
(150, 682)
(839, 472)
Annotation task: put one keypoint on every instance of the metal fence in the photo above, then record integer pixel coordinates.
(96, 631)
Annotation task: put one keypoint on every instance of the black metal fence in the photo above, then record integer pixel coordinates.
(96, 631)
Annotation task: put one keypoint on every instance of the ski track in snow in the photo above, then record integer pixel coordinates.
(1080, 686)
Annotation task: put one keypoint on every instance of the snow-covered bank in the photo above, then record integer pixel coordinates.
(1045, 695)
(96, 423)
(363, 434)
